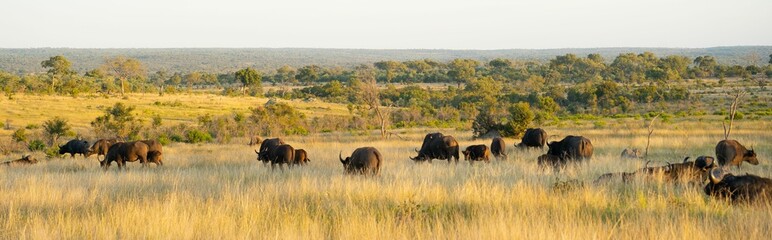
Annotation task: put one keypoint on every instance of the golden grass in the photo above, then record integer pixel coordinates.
(219, 191)
(173, 109)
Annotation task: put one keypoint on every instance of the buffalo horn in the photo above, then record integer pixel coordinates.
(416, 149)
(339, 157)
(686, 159)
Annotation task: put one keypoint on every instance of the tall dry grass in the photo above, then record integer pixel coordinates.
(219, 191)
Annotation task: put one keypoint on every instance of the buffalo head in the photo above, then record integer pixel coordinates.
(750, 157)
(345, 162)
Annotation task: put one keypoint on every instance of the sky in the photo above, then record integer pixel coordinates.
(393, 24)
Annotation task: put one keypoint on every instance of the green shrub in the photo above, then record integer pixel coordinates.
(196, 136)
(164, 140)
(177, 138)
(39, 145)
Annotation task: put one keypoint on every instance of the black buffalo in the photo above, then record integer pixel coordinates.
(100, 147)
(533, 138)
(498, 148)
(571, 149)
(265, 154)
(282, 154)
(301, 157)
(155, 151)
(75, 146)
(123, 152)
(731, 152)
(477, 153)
(746, 188)
(364, 160)
(24, 160)
(438, 146)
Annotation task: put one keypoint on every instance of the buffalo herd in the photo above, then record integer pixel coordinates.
(571, 150)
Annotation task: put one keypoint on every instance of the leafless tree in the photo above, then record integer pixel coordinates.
(732, 111)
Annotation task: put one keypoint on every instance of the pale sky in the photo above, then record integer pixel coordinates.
(393, 24)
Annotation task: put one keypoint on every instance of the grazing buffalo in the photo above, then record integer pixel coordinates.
(731, 152)
(549, 160)
(571, 148)
(75, 146)
(123, 152)
(282, 154)
(301, 157)
(691, 172)
(498, 148)
(631, 153)
(24, 160)
(437, 146)
(155, 152)
(533, 138)
(254, 140)
(100, 147)
(364, 160)
(746, 188)
(266, 149)
(477, 153)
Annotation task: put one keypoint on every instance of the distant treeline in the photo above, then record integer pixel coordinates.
(501, 94)
(21, 61)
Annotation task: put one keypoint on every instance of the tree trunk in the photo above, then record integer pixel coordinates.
(123, 86)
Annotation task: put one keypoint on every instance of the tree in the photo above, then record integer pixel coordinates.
(285, 74)
(308, 74)
(118, 121)
(55, 128)
(462, 70)
(521, 117)
(250, 78)
(124, 69)
(58, 66)
(369, 95)
(391, 68)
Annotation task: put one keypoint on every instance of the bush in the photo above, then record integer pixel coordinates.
(164, 140)
(196, 136)
(20, 135)
(38, 145)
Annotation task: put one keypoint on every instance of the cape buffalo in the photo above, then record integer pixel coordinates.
(282, 154)
(125, 152)
(746, 188)
(75, 146)
(630, 153)
(266, 149)
(477, 153)
(100, 147)
(24, 160)
(498, 148)
(155, 152)
(254, 140)
(571, 148)
(364, 160)
(731, 152)
(533, 138)
(437, 146)
(301, 157)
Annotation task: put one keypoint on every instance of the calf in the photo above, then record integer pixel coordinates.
(477, 153)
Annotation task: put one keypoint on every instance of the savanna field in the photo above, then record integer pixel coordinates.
(210, 190)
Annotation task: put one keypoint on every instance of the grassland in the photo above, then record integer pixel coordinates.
(208, 191)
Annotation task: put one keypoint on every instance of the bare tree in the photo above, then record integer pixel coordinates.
(732, 111)
(648, 138)
(369, 95)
